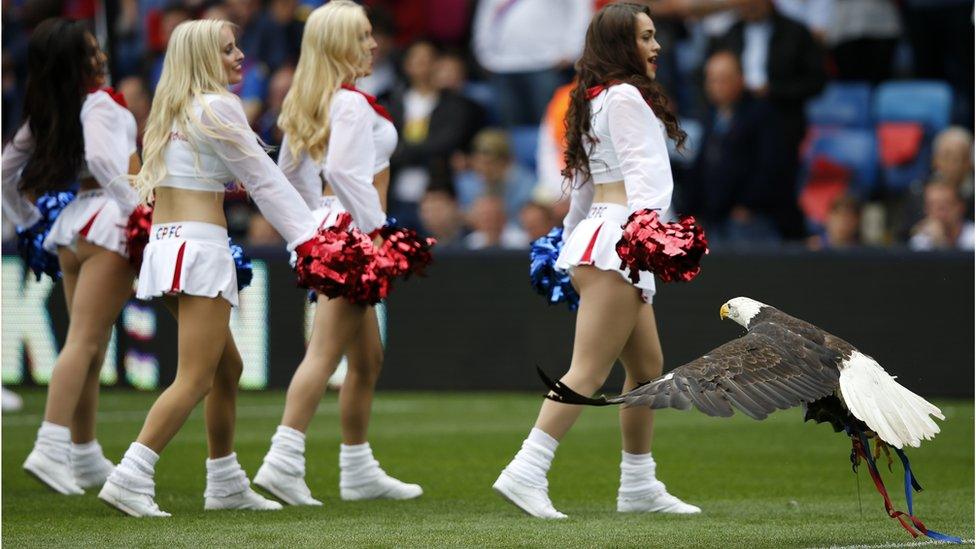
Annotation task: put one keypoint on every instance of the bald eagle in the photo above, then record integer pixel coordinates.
(782, 362)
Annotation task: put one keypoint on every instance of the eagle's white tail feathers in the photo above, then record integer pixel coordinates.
(897, 415)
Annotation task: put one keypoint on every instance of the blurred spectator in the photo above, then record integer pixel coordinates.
(490, 227)
(952, 163)
(552, 146)
(735, 184)
(842, 228)
(137, 97)
(945, 226)
(174, 13)
(536, 220)
(384, 74)
(432, 124)
(526, 45)
(784, 65)
(267, 124)
(863, 38)
(441, 218)
(941, 35)
(494, 172)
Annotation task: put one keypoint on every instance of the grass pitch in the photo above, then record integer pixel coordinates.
(777, 483)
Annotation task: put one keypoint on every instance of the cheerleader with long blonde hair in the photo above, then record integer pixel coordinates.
(336, 151)
(197, 140)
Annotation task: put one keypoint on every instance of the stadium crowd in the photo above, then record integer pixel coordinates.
(803, 116)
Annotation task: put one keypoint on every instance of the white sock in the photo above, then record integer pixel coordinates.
(637, 476)
(135, 471)
(86, 457)
(225, 477)
(532, 462)
(357, 466)
(287, 451)
(54, 441)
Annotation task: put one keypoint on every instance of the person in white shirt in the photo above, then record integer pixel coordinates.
(336, 151)
(617, 125)
(945, 226)
(525, 44)
(197, 140)
(90, 138)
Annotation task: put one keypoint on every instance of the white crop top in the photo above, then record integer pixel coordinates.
(360, 145)
(109, 132)
(630, 147)
(235, 155)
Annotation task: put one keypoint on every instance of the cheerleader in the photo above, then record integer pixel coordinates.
(197, 139)
(336, 151)
(85, 134)
(616, 128)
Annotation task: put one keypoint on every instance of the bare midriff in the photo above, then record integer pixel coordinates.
(615, 193)
(381, 181)
(174, 205)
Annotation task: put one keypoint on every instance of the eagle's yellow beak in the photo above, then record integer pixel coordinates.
(723, 313)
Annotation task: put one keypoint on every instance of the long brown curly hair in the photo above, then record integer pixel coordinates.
(610, 55)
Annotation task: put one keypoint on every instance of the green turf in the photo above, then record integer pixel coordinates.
(778, 483)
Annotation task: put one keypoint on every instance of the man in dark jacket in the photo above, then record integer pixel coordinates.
(432, 125)
(784, 65)
(735, 186)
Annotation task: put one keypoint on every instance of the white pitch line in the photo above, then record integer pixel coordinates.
(887, 545)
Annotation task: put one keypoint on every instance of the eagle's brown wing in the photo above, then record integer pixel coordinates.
(767, 369)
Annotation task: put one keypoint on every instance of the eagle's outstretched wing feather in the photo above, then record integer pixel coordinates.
(770, 368)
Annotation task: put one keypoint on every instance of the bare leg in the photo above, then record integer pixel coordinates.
(336, 323)
(220, 406)
(365, 356)
(203, 333)
(643, 361)
(102, 286)
(606, 318)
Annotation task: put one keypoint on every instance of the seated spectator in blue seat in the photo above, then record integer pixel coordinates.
(494, 172)
(739, 179)
(441, 218)
(490, 229)
(433, 124)
(945, 226)
(842, 229)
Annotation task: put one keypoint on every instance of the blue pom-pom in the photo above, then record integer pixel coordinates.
(549, 282)
(30, 241)
(245, 272)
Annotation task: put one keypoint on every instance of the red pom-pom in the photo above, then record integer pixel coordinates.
(137, 234)
(340, 261)
(403, 252)
(672, 251)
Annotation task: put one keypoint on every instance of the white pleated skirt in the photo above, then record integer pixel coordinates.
(594, 242)
(188, 257)
(93, 216)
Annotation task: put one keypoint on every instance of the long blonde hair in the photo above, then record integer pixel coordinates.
(191, 69)
(331, 56)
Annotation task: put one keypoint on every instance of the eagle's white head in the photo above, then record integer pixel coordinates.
(741, 310)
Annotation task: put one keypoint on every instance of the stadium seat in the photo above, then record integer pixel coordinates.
(909, 114)
(525, 141)
(482, 94)
(842, 104)
(837, 161)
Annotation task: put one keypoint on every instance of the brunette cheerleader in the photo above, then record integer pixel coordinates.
(75, 131)
(616, 152)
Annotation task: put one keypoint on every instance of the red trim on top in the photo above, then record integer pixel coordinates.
(177, 271)
(117, 96)
(587, 259)
(380, 109)
(88, 225)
